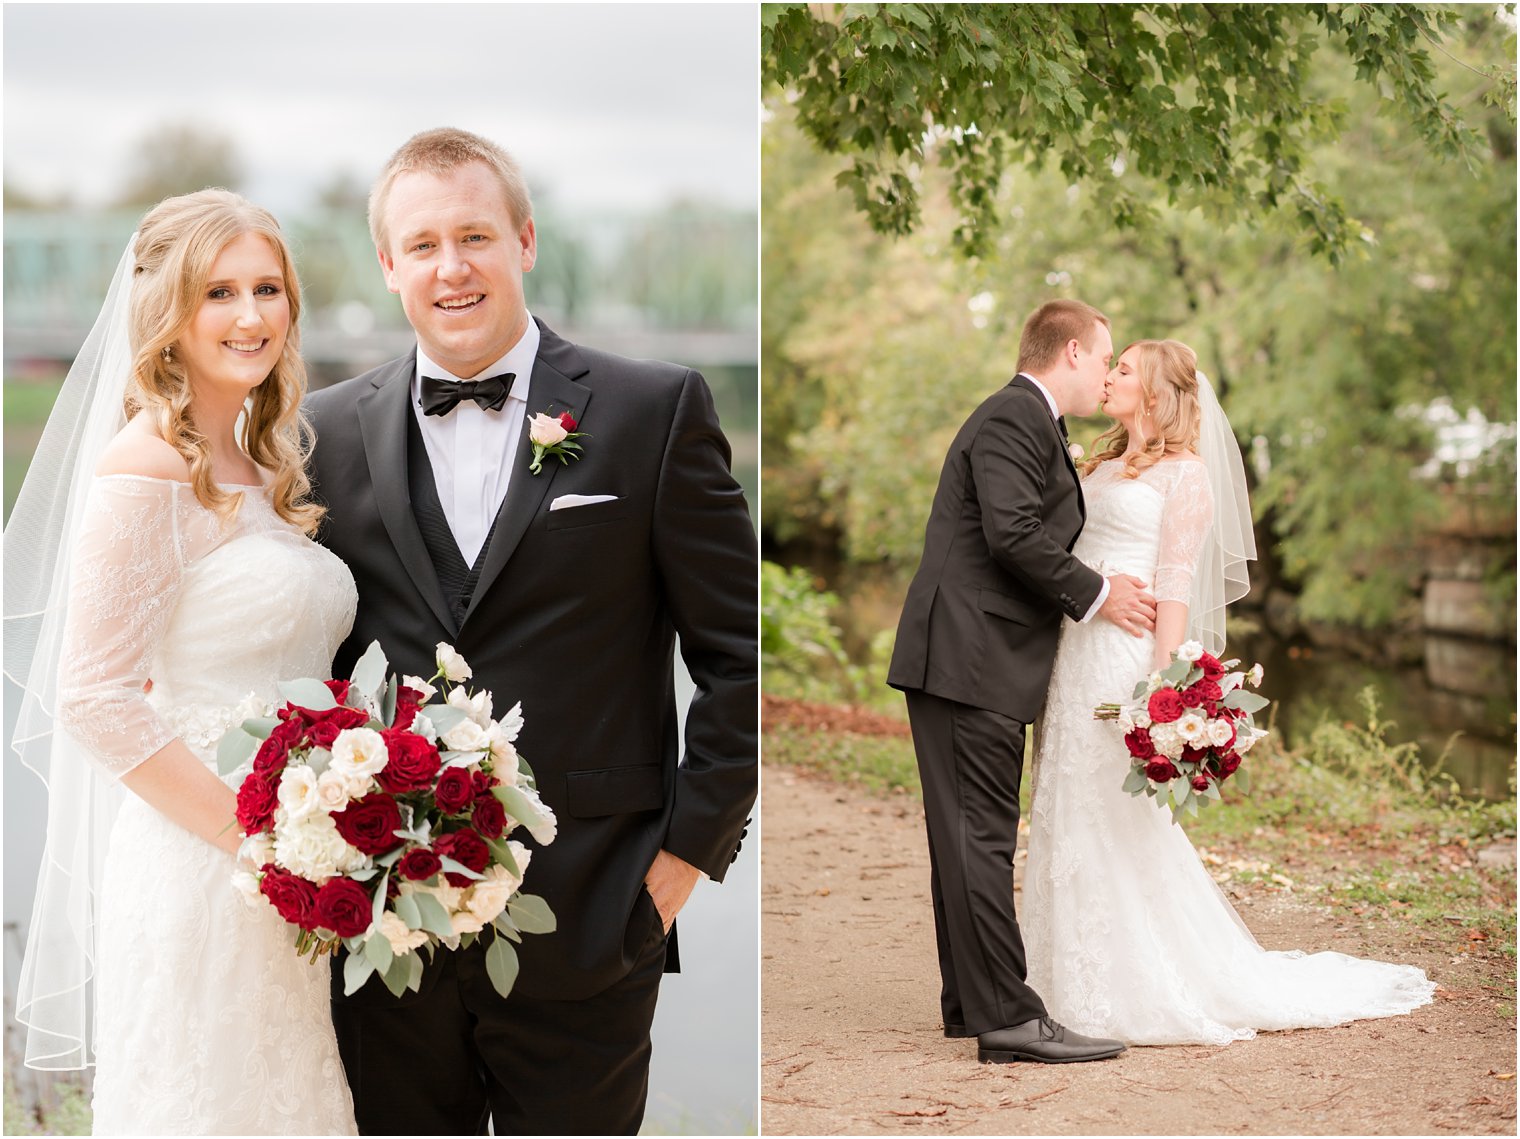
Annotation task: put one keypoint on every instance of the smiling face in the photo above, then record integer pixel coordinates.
(456, 258)
(1124, 396)
(235, 338)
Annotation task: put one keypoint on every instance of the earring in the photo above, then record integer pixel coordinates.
(168, 352)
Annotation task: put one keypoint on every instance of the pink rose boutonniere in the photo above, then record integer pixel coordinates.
(554, 435)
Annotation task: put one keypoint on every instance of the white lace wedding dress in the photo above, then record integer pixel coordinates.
(1127, 935)
(207, 1023)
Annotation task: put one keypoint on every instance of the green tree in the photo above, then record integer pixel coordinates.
(1210, 102)
(875, 351)
(179, 158)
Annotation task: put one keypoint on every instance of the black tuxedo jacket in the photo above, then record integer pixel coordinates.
(983, 613)
(576, 614)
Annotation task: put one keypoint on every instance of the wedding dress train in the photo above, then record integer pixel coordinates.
(1127, 934)
(206, 1020)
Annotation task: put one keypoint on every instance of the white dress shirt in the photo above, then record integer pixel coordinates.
(1055, 413)
(472, 450)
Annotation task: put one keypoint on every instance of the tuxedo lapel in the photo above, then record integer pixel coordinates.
(382, 423)
(1020, 382)
(552, 390)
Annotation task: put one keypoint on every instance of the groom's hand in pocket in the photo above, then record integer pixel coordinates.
(670, 881)
(1128, 605)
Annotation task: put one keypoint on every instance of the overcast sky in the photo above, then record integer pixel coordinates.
(604, 105)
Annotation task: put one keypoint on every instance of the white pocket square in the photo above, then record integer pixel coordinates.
(565, 501)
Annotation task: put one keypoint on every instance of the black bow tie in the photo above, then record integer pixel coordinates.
(1060, 422)
(439, 397)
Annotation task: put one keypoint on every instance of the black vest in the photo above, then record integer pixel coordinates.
(457, 578)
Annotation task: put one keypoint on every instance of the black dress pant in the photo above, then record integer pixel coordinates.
(445, 1060)
(970, 761)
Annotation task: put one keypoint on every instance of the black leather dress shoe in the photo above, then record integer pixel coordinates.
(958, 1032)
(1043, 1041)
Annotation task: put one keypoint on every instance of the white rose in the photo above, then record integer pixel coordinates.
(477, 707)
(257, 849)
(1189, 651)
(1142, 717)
(541, 824)
(246, 883)
(466, 735)
(250, 707)
(357, 754)
(402, 940)
(1248, 740)
(424, 727)
(451, 664)
(298, 790)
(512, 722)
(503, 756)
(332, 790)
(310, 847)
(1220, 732)
(466, 922)
(545, 430)
(1126, 723)
(489, 896)
(416, 683)
(1076, 452)
(1255, 675)
(1191, 726)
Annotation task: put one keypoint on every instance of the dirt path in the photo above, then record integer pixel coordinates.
(851, 1032)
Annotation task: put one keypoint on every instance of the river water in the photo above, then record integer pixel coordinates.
(1458, 696)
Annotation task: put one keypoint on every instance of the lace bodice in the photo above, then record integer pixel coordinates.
(1152, 526)
(164, 591)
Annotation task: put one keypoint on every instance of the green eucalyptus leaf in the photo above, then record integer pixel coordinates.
(399, 974)
(388, 702)
(378, 906)
(505, 927)
(503, 855)
(318, 759)
(310, 694)
(458, 868)
(435, 919)
(443, 716)
(501, 965)
(260, 726)
(407, 911)
(369, 671)
(356, 970)
(414, 976)
(233, 750)
(1135, 781)
(378, 949)
(531, 914)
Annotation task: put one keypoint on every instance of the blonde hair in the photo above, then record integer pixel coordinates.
(178, 242)
(1050, 327)
(1168, 373)
(439, 152)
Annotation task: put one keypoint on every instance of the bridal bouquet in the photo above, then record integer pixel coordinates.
(378, 818)
(1187, 727)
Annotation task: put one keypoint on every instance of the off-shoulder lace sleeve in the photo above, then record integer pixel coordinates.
(126, 572)
(1185, 522)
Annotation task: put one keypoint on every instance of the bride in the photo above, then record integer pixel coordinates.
(1127, 934)
(159, 574)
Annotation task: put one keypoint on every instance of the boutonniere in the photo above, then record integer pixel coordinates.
(1076, 452)
(553, 435)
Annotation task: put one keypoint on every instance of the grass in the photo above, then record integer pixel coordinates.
(68, 1115)
(27, 404)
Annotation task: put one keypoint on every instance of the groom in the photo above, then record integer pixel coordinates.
(565, 589)
(974, 652)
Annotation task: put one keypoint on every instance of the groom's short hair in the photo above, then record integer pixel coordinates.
(438, 152)
(1050, 327)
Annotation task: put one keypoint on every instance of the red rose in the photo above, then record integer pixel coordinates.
(368, 824)
(1160, 771)
(1206, 691)
(489, 816)
(338, 688)
(1138, 740)
(482, 781)
(466, 848)
(412, 764)
(408, 701)
(256, 801)
(293, 898)
(567, 421)
(323, 734)
(344, 907)
(1228, 763)
(272, 753)
(1165, 705)
(1212, 669)
(1191, 754)
(342, 715)
(1200, 783)
(454, 791)
(418, 864)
